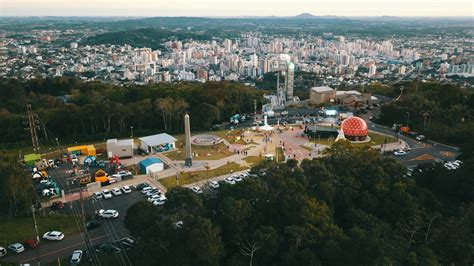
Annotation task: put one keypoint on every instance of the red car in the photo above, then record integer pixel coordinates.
(30, 243)
(57, 205)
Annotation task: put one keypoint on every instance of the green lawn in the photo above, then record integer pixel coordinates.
(280, 155)
(254, 159)
(191, 177)
(18, 230)
(214, 152)
(375, 139)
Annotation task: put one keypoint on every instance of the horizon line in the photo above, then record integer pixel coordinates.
(243, 16)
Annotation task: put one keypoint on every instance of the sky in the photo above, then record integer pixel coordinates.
(219, 8)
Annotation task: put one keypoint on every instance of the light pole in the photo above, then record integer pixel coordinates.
(131, 132)
(57, 143)
(408, 117)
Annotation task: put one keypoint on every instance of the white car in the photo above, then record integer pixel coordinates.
(3, 251)
(76, 257)
(152, 192)
(126, 190)
(74, 158)
(16, 248)
(98, 195)
(108, 213)
(106, 193)
(400, 153)
(450, 166)
(153, 198)
(230, 180)
(125, 174)
(146, 189)
(197, 190)
(284, 113)
(420, 137)
(160, 201)
(116, 191)
(214, 184)
(53, 235)
(237, 178)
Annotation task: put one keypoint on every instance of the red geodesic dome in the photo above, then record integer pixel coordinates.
(354, 127)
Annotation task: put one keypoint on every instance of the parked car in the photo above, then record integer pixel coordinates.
(107, 248)
(160, 201)
(107, 194)
(126, 190)
(74, 158)
(128, 241)
(125, 174)
(53, 235)
(152, 192)
(214, 184)
(30, 243)
(230, 180)
(16, 248)
(3, 251)
(197, 190)
(108, 213)
(98, 195)
(450, 166)
(141, 186)
(57, 205)
(400, 153)
(116, 191)
(92, 224)
(146, 189)
(76, 257)
(237, 178)
(153, 198)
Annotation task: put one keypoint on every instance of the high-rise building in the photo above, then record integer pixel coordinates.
(254, 60)
(402, 70)
(289, 80)
(228, 45)
(372, 70)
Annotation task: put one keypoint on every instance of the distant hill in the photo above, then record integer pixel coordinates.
(305, 15)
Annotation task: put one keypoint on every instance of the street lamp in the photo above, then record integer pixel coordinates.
(131, 132)
(57, 143)
(408, 117)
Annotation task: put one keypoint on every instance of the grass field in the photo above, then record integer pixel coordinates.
(375, 139)
(253, 160)
(18, 230)
(191, 177)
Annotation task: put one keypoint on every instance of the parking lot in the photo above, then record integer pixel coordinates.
(110, 230)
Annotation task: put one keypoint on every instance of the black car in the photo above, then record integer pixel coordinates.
(142, 186)
(107, 248)
(93, 224)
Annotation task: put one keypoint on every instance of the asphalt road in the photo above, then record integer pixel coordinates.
(420, 151)
(109, 231)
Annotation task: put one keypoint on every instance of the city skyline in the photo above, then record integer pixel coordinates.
(213, 8)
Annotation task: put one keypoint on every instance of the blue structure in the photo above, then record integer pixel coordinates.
(144, 164)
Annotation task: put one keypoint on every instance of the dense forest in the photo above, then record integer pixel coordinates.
(352, 207)
(144, 37)
(73, 110)
(443, 112)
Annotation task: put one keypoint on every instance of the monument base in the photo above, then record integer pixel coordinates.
(188, 162)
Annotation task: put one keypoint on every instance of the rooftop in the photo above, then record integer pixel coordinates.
(158, 139)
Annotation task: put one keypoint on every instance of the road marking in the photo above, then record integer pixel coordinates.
(447, 154)
(62, 249)
(424, 157)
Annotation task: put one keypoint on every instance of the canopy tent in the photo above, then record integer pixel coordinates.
(31, 158)
(84, 149)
